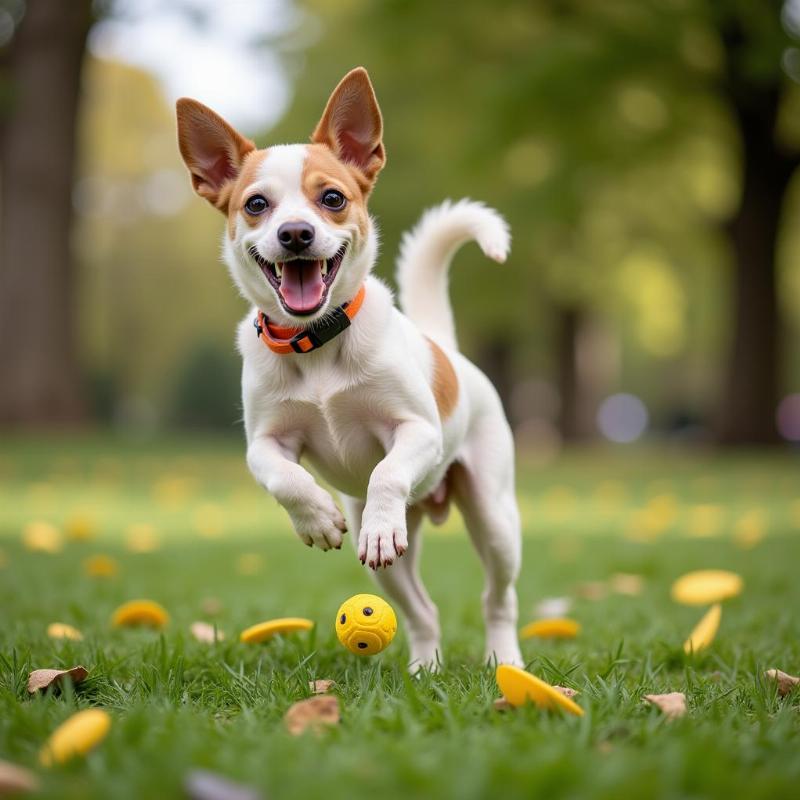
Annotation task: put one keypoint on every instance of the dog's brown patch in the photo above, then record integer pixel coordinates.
(445, 381)
(237, 198)
(323, 170)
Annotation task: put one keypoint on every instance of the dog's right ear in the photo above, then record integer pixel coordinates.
(212, 150)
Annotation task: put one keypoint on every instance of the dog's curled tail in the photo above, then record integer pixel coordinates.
(425, 255)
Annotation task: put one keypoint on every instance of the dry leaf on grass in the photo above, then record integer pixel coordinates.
(625, 583)
(501, 704)
(315, 714)
(672, 705)
(14, 779)
(592, 590)
(200, 784)
(321, 686)
(785, 682)
(41, 679)
(206, 633)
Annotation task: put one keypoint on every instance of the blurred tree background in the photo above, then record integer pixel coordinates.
(642, 150)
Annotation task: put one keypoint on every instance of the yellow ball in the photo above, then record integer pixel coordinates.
(365, 624)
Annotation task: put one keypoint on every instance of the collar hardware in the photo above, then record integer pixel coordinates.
(284, 341)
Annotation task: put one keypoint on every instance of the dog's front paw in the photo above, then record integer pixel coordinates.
(383, 538)
(318, 521)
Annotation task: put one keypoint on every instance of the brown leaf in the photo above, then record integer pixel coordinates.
(625, 583)
(41, 679)
(321, 686)
(501, 704)
(201, 784)
(314, 714)
(566, 691)
(591, 590)
(204, 632)
(785, 682)
(14, 779)
(673, 705)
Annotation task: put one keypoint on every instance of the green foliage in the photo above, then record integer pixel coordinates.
(207, 388)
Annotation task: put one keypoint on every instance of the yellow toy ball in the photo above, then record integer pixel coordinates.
(365, 624)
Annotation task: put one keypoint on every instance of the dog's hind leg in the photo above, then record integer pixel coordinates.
(483, 490)
(402, 583)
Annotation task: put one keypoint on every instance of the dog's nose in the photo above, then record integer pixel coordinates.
(296, 236)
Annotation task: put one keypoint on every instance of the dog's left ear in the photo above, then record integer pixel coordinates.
(352, 126)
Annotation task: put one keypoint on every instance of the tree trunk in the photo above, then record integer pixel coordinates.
(40, 378)
(747, 414)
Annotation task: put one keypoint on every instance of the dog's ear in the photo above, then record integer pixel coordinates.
(212, 150)
(352, 126)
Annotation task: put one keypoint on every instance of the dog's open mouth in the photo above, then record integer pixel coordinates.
(302, 284)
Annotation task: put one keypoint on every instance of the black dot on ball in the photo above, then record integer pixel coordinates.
(343, 619)
(362, 645)
(367, 612)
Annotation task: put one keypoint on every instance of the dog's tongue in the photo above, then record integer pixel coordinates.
(301, 285)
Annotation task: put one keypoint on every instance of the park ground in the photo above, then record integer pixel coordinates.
(188, 528)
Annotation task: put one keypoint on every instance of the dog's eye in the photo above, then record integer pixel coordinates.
(333, 200)
(256, 205)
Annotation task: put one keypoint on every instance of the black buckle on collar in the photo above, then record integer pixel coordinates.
(329, 327)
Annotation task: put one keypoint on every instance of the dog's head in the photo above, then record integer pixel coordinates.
(299, 239)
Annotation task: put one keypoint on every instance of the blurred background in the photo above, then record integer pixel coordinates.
(644, 152)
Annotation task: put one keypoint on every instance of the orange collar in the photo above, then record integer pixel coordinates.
(284, 340)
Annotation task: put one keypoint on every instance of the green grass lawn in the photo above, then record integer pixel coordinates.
(218, 541)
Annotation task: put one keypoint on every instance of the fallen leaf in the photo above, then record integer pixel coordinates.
(140, 612)
(706, 586)
(591, 590)
(249, 563)
(80, 527)
(76, 737)
(672, 705)
(321, 686)
(60, 630)
(141, 538)
(785, 682)
(566, 691)
(553, 607)
(625, 583)
(501, 704)
(14, 779)
(42, 537)
(101, 566)
(211, 606)
(45, 678)
(315, 714)
(204, 632)
(551, 628)
(200, 784)
(705, 631)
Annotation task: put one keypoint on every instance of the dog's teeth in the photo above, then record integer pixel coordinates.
(324, 267)
(279, 269)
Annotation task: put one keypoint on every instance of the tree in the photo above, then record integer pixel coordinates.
(39, 368)
(755, 86)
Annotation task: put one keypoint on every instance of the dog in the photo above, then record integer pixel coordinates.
(377, 401)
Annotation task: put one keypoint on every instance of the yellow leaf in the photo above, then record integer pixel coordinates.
(60, 630)
(75, 737)
(520, 687)
(264, 630)
(706, 586)
(140, 612)
(551, 628)
(705, 631)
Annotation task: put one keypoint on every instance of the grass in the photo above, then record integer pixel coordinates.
(178, 704)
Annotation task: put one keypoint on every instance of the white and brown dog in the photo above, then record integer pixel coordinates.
(378, 402)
